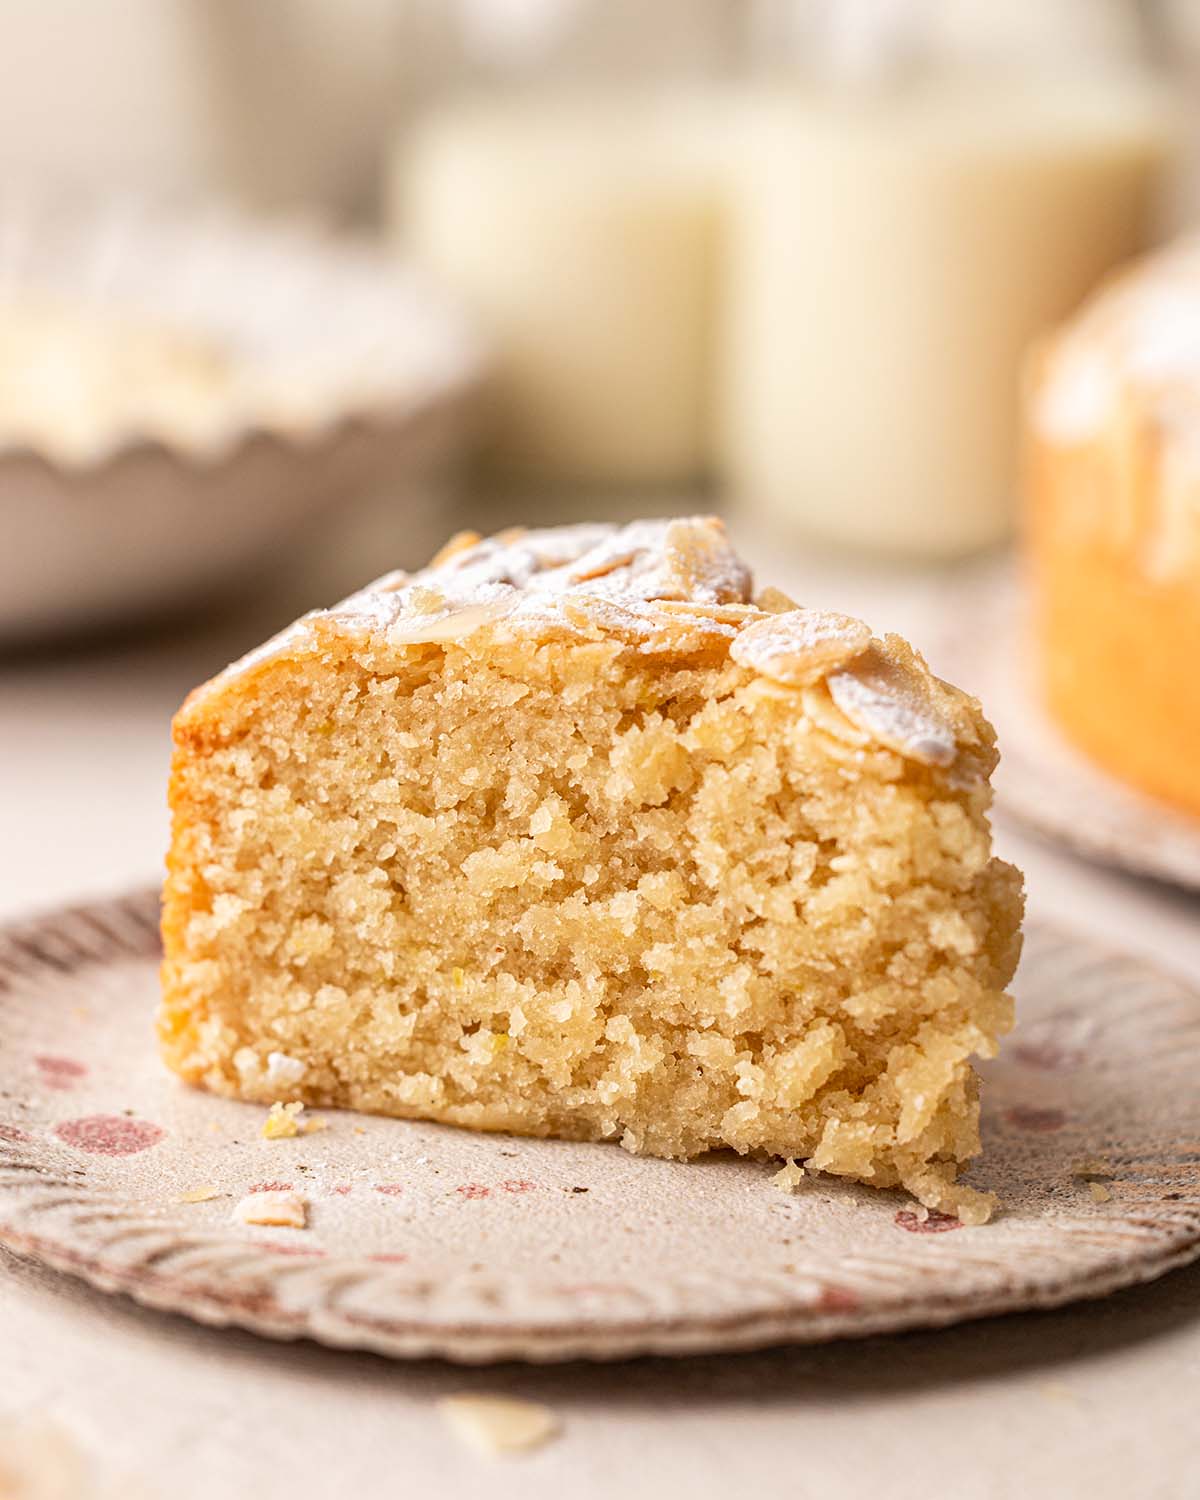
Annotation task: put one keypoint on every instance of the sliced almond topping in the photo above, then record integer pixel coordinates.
(728, 614)
(698, 556)
(891, 694)
(452, 624)
(643, 624)
(774, 601)
(461, 541)
(801, 646)
(499, 1424)
(283, 1209)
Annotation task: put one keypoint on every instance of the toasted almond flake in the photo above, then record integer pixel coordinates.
(774, 601)
(461, 541)
(789, 1177)
(202, 1194)
(499, 1424)
(284, 1209)
(801, 646)
(728, 614)
(449, 621)
(283, 1121)
(1100, 1193)
(890, 693)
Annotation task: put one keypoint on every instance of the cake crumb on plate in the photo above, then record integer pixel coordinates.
(202, 1194)
(286, 1209)
(283, 1121)
(499, 1424)
(789, 1177)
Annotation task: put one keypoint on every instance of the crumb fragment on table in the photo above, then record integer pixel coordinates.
(205, 1193)
(284, 1121)
(39, 1461)
(1089, 1167)
(1100, 1193)
(287, 1210)
(789, 1177)
(499, 1424)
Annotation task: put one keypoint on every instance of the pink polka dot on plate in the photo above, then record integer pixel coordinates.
(110, 1135)
(389, 1189)
(389, 1258)
(933, 1223)
(518, 1185)
(59, 1072)
(835, 1298)
(473, 1190)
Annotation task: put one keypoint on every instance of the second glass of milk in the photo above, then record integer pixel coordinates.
(921, 193)
(562, 185)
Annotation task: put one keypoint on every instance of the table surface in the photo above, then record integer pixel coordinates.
(1097, 1399)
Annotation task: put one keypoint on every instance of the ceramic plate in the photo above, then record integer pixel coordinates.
(428, 1240)
(1042, 780)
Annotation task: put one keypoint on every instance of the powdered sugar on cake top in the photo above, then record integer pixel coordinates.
(666, 587)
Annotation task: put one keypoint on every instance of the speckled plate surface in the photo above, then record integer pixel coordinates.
(1042, 780)
(427, 1240)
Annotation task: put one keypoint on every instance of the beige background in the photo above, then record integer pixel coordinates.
(1098, 1400)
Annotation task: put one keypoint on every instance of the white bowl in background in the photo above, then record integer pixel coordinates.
(342, 373)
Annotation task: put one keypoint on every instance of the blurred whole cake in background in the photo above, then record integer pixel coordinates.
(1113, 416)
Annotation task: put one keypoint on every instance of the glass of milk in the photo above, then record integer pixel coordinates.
(916, 193)
(562, 183)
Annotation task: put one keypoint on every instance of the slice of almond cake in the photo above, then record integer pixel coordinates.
(573, 834)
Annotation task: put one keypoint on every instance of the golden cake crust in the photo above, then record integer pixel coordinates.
(567, 834)
(1113, 524)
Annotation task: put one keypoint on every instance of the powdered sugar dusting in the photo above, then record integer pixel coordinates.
(801, 646)
(671, 587)
(885, 695)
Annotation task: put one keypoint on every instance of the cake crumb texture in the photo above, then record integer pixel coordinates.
(522, 844)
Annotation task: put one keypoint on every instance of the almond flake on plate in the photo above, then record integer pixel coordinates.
(284, 1209)
(499, 1424)
(205, 1193)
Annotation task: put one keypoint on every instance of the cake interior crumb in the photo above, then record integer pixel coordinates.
(567, 889)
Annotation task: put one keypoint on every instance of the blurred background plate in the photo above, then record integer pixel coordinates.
(192, 389)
